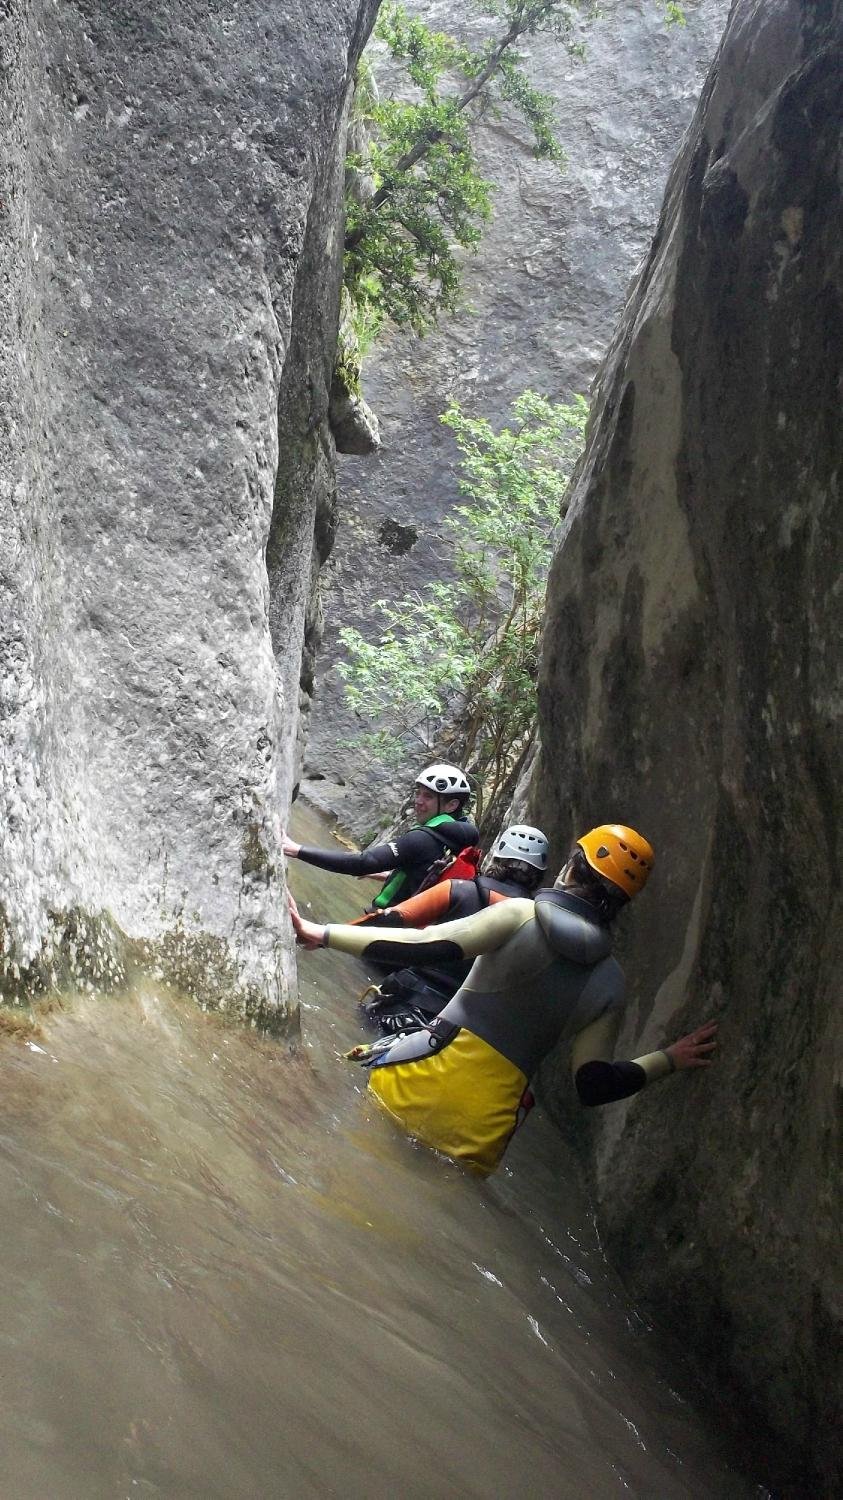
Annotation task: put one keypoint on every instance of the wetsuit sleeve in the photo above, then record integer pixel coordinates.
(468, 938)
(413, 848)
(345, 862)
(417, 911)
(598, 1080)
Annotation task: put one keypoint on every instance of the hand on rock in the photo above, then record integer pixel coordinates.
(289, 847)
(309, 935)
(692, 1051)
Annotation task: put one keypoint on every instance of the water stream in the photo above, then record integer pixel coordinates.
(226, 1275)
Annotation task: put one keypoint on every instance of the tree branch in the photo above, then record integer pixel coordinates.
(421, 148)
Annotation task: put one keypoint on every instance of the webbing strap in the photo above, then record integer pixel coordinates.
(388, 892)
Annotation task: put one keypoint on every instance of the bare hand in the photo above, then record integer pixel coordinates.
(309, 935)
(692, 1051)
(289, 848)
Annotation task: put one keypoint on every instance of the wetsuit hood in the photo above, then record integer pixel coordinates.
(571, 927)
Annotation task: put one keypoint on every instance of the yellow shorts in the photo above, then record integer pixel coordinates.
(463, 1100)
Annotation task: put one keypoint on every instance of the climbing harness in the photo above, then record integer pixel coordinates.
(402, 1003)
(408, 1047)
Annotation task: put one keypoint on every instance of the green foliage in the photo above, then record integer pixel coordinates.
(429, 200)
(400, 262)
(407, 237)
(355, 335)
(365, 98)
(454, 670)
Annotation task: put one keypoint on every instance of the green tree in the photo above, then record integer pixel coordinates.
(428, 199)
(427, 204)
(454, 670)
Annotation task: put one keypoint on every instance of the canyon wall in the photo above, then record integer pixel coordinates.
(690, 686)
(169, 178)
(542, 295)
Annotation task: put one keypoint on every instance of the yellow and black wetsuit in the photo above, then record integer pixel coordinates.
(544, 971)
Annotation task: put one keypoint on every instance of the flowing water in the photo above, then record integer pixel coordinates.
(225, 1274)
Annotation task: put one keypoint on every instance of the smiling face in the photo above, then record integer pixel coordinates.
(427, 804)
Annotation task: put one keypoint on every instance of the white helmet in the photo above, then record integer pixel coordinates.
(446, 781)
(524, 843)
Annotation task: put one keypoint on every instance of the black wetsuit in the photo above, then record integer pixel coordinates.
(412, 853)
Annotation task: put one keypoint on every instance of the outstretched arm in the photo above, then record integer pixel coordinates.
(418, 847)
(467, 938)
(599, 1080)
(343, 861)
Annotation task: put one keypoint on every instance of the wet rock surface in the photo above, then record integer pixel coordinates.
(164, 173)
(690, 686)
(543, 296)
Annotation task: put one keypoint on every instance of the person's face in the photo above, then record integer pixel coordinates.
(425, 804)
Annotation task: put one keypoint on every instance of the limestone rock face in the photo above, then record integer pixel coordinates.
(166, 172)
(354, 425)
(543, 297)
(691, 687)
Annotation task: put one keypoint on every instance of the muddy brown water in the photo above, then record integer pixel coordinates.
(225, 1274)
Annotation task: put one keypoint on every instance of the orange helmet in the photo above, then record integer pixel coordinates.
(620, 855)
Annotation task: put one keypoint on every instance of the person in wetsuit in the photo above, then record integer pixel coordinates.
(440, 795)
(544, 971)
(409, 998)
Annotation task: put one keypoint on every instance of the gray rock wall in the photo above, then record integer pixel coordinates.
(165, 173)
(691, 686)
(543, 297)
